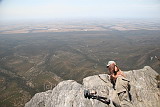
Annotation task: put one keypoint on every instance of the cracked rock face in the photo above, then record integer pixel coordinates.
(69, 93)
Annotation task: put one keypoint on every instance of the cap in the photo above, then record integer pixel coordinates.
(110, 62)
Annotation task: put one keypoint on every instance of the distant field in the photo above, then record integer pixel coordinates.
(35, 62)
(83, 25)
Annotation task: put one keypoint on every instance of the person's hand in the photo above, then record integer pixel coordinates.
(120, 73)
(114, 77)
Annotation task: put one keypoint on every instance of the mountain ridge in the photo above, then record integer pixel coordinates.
(69, 93)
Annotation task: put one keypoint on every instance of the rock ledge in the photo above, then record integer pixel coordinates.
(144, 91)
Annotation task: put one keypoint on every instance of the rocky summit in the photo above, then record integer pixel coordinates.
(144, 91)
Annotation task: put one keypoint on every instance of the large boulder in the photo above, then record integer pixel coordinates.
(144, 91)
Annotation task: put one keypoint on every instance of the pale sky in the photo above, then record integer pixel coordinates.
(54, 9)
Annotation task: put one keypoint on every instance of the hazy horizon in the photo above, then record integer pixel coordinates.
(37, 10)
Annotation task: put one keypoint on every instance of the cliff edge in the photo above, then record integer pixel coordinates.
(144, 91)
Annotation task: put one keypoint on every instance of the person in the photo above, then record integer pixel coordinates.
(120, 96)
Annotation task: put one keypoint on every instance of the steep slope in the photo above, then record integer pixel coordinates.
(144, 91)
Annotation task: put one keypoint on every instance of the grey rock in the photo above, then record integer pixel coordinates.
(144, 90)
(69, 93)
